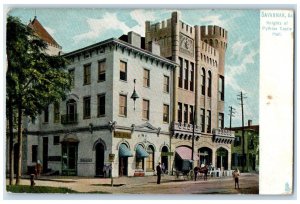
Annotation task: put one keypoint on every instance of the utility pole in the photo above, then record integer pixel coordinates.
(242, 97)
(193, 137)
(231, 114)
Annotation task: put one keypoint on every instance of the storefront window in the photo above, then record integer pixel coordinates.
(150, 159)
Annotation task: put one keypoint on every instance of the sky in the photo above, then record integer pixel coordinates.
(74, 28)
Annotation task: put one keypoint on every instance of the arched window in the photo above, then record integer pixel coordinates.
(216, 43)
(71, 116)
(209, 84)
(150, 159)
(203, 82)
(211, 42)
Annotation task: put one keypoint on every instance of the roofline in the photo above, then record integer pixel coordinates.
(120, 42)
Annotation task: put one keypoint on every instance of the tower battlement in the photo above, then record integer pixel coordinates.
(215, 36)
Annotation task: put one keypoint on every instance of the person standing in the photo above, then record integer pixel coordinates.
(196, 170)
(235, 175)
(158, 171)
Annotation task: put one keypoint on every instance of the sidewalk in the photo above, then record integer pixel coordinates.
(92, 184)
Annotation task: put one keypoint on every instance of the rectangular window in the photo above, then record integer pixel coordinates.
(179, 112)
(180, 73)
(221, 120)
(166, 84)
(208, 127)
(237, 141)
(123, 105)
(34, 151)
(186, 75)
(186, 113)
(202, 118)
(191, 114)
(56, 140)
(56, 112)
(101, 105)
(166, 113)
(87, 74)
(146, 80)
(221, 88)
(146, 109)
(192, 77)
(72, 75)
(86, 107)
(123, 70)
(46, 114)
(101, 70)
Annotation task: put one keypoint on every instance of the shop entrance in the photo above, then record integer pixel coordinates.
(205, 155)
(164, 159)
(123, 166)
(222, 158)
(99, 159)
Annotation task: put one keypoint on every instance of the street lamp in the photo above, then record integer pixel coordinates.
(134, 95)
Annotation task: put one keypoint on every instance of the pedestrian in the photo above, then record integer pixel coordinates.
(158, 171)
(196, 170)
(235, 175)
(38, 168)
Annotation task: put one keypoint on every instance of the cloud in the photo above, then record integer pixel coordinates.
(110, 21)
(213, 20)
(238, 47)
(98, 26)
(234, 72)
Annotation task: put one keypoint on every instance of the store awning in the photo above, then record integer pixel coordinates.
(185, 153)
(140, 152)
(124, 151)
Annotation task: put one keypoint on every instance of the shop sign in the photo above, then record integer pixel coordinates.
(85, 160)
(111, 157)
(167, 153)
(119, 134)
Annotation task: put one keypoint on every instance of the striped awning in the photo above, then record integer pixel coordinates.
(140, 152)
(124, 151)
(185, 153)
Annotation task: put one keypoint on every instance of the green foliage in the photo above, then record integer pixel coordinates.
(33, 76)
(38, 189)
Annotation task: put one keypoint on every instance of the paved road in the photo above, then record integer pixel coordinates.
(147, 185)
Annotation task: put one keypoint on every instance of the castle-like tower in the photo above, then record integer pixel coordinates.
(198, 88)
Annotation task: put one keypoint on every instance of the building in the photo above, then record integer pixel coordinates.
(99, 118)
(251, 148)
(136, 102)
(199, 96)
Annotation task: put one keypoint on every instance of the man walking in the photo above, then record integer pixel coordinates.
(158, 171)
(235, 175)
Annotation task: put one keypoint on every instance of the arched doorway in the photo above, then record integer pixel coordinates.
(164, 157)
(183, 158)
(124, 153)
(222, 158)
(99, 159)
(205, 155)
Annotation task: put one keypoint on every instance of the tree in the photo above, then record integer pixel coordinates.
(34, 79)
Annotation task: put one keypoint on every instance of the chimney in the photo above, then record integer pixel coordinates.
(154, 47)
(134, 39)
(249, 123)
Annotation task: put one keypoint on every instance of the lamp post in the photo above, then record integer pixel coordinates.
(134, 95)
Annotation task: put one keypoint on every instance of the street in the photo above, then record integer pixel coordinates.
(249, 184)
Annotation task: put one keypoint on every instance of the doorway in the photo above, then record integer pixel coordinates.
(164, 159)
(45, 154)
(99, 159)
(123, 166)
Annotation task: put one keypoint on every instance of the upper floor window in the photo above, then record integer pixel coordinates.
(186, 113)
(123, 105)
(191, 114)
(87, 74)
(101, 70)
(123, 70)
(56, 140)
(221, 88)
(86, 107)
(221, 120)
(71, 112)
(186, 74)
(166, 84)
(146, 80)
(203, 81)
(145, 109)
(180, 73)
(180, 112)
(166, 113)
(101, 105)
(56, 112)
(46, 114)
(202, 118)
(192, 77)
(209, 84)
(72, 75)
(208, 127)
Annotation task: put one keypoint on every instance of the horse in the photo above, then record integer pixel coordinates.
(204, 170)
